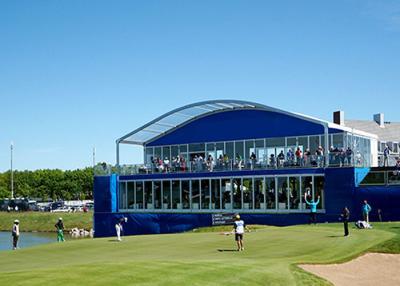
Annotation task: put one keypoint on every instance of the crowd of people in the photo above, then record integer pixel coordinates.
(294, 157)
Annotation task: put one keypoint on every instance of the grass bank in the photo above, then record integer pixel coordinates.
(192, 258)
(44, 221)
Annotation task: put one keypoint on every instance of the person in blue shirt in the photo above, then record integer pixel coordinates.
(366, 208)
(313, 209)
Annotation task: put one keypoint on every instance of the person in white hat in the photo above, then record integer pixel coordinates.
(15, 234)
(60, 230)
(239, 228)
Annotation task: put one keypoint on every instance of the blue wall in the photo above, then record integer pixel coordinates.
(239, 124)
(340, 191)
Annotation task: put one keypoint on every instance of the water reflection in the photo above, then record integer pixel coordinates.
(26, 239)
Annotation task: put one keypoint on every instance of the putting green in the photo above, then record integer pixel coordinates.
(188, 258)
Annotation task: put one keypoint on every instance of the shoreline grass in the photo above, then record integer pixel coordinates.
(44, 221)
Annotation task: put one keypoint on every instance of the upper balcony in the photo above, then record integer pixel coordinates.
(199, 165)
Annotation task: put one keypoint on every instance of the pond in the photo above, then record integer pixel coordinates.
(26, 239)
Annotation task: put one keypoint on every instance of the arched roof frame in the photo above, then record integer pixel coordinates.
(181, 116)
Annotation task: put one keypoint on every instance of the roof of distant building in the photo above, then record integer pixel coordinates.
(390, 131)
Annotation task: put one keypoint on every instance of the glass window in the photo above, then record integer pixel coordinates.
(338, 141)
(157, 152)
(271, 193)
(294, 193)
(131, 195)
(275, 142)
(219, 147)
(374, 178)
(314, 144)
(322, 142)
(176, 195)
(393, 178)
(166, 153)
(185, 194)
(197, 147)
(183, 149)
(174, 151)
(157, 194)
(148, 195)
(261, 153)
(282, 193)
(291, 142)
(237, 193)
(319, 191)
(149, 155)
(239, 149)
(205, 194)
(272, 157)
(306, 189)
(122, 195)
(249, 150)
(229, 150)
(195, 194)
(247, 189)
(226, 194)
(166, 193)
(139, 195)
(259, 194)
(303, 143)
(215, 194)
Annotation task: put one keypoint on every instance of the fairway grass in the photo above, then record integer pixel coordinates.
(194, 258)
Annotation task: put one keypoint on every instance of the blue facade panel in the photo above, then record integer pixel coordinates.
(239, 124)
(385, 198)
(340, 190)
(102, 194)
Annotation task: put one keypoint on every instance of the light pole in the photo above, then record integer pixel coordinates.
(94, 157)
(12, 173)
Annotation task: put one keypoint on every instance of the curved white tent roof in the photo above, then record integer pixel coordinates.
(185, 114)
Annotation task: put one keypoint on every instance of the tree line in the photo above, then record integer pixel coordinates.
(49, 184)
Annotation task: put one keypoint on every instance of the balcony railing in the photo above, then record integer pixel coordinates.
(336, 159)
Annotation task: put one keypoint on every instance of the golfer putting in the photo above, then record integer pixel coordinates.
(238, 228)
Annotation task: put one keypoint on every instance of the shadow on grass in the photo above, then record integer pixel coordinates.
(227, 250)
(335, 236)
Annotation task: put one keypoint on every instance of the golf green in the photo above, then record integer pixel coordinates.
(195, 258)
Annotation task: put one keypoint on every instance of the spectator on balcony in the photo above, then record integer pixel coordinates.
(386, 153)
(199, 163)
(166, 164)
(281, 158)
(290, 157)
(306, 157)
(220, 163)
(253, 160)
(342, 157)
(160, 165)
(210, 163)
(226, 161)
(319, 153)
(299, 157)
(239, 161)
(182, 162)
(272, 161)
(349, 155)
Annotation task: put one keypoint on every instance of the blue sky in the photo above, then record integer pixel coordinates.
(78, 74)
